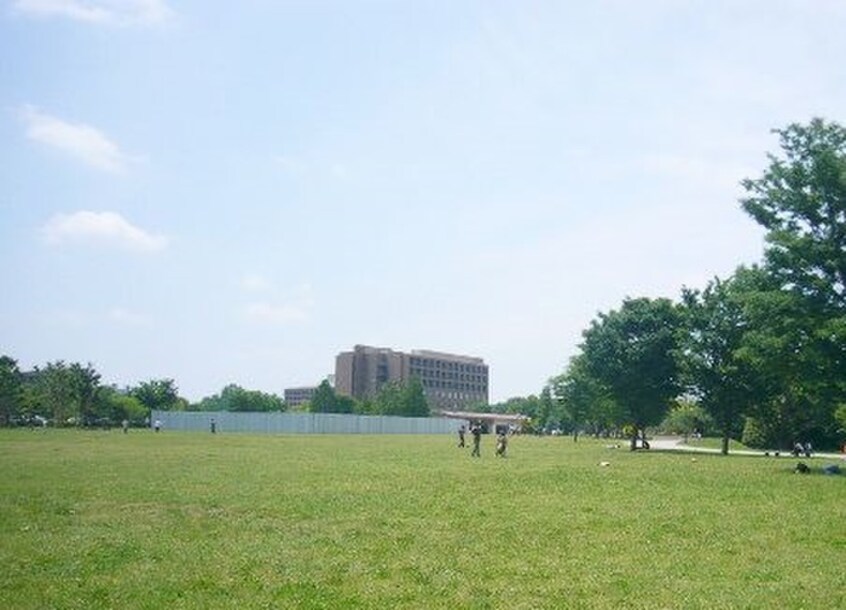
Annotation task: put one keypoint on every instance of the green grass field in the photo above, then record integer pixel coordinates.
(179, 520)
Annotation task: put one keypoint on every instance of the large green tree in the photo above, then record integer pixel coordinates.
(715, 368)
(632, 353)
(784, 354)
(63, 392)
(53, 392)
(801, 202)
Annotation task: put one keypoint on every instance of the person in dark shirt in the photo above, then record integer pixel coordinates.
(476, 431)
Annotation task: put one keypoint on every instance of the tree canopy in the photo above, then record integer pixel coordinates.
(235, 398)
(801, 202)
(631, 353)
(157, 394)
(763, 350)
(406, 399)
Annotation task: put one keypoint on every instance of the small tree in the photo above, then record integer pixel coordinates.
(11, 390)
(117, 405)
(583, 398)
(86, 386)
(685, 418)
(324, 399)
(414, 399)
(840, 421)
(755, 434)
(345, 404)
(390, 399)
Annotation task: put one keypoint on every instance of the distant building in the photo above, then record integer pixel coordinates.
(294, 397)
(449, 381)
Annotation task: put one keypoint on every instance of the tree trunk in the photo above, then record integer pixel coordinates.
(725, 448)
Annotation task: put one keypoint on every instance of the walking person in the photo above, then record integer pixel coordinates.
(476, 431)
(461, 431)
(501, 444)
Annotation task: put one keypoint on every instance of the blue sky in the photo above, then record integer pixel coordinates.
(235, 192)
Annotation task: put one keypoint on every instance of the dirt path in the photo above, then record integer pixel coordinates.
(673, 443)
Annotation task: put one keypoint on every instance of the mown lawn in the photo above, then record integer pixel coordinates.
(191, 520)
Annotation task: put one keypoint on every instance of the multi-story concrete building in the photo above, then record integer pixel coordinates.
(449, 381)
(294, 397)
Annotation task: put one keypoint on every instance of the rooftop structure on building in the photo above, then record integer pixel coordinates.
(450, 381)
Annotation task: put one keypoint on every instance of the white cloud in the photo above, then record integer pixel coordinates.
(101, 12)
(83, 142)
(105, 228)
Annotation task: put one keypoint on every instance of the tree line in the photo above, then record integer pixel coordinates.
(72, 394)
(406, 399)
(758, 356)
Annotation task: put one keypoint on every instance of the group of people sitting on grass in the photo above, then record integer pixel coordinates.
(800, 449)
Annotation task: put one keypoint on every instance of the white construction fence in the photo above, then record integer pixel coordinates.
(301, 423)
